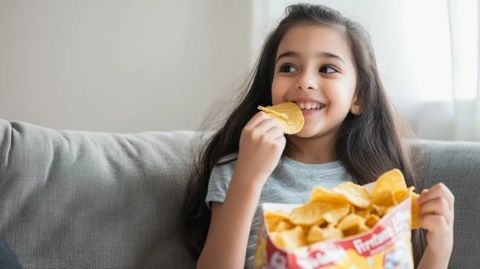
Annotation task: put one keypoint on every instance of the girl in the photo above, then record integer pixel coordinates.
(324, 63)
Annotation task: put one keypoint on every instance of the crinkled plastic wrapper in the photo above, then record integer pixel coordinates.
(385, 245)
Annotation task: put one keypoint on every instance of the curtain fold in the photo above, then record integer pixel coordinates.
(478, 73)
(463, 26)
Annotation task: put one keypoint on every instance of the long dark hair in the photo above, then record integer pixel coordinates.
(368, 144)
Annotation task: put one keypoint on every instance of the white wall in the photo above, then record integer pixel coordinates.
(120, 65)
(127, 66)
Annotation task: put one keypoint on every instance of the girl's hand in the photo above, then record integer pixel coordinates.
(261, 145)
(436, 215)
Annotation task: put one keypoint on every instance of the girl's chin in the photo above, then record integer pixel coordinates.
(309, 131)
(306, 133)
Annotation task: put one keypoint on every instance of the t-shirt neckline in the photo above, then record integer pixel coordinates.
(329, 165)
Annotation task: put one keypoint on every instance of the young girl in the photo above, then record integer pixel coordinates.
(324, 63)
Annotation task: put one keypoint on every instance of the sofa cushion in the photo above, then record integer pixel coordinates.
(93, 200)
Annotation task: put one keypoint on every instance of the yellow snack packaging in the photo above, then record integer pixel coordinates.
(350, 226)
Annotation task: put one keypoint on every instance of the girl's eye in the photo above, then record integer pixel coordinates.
(287, 68)
(328, 69)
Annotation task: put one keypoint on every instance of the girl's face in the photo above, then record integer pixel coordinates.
(314, 68)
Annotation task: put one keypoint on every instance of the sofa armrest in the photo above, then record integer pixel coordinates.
(5, 144)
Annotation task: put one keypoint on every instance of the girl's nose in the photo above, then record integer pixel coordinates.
(307, 81)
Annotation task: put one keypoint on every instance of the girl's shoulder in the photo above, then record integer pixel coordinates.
(227, 159)
(224, 167)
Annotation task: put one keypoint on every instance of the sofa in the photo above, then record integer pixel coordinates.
(75, 199)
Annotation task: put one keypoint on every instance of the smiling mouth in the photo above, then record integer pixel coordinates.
(310, 105)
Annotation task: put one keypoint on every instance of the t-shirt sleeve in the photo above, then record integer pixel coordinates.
(218, 183)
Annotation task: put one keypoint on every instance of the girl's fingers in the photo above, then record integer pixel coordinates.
(257, 119)
(267, 125)
(276, 132)
(438, 190)
(437, 206)
(270, 127)
(433, 223)
(264, 123)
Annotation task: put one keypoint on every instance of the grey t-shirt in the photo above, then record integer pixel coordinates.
(291, 182)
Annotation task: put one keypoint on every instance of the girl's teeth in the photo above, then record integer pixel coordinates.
(309, 106)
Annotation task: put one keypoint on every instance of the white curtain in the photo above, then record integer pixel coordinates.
(465, 46)
(428, 57)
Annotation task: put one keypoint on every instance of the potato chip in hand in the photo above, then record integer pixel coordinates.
(288, 114)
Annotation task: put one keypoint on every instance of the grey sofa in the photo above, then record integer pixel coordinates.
(72, 199)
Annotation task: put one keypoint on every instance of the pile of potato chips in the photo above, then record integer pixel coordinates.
(346, 211)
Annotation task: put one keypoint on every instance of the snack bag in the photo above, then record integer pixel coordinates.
(350, 226)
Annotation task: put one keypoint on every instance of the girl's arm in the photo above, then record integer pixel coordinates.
(436, 215)
(260, 148)
(227, 239)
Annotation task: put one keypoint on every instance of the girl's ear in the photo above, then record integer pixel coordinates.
(356, 107)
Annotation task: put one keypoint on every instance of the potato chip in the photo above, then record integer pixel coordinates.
(400, 195)
(293, 238)
(352, 209)
(272, 112)
(288, 114)
(364, 213)
(384, 198)
(336, 213)
(415, 211)
(355, 194)
(310, 213)
(371, 220)
(284, 225)
(321, 194)
(352, 224)
(277, 239)
(379, 210)
(273, 218)
(389, 190)
(350, 221)
(317, 234)
(391, 182)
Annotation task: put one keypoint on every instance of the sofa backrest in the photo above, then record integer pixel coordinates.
(457, 164)
(93, 200)
(72, 199)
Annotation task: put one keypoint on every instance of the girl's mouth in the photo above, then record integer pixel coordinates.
(309, 112)
(310, 106)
